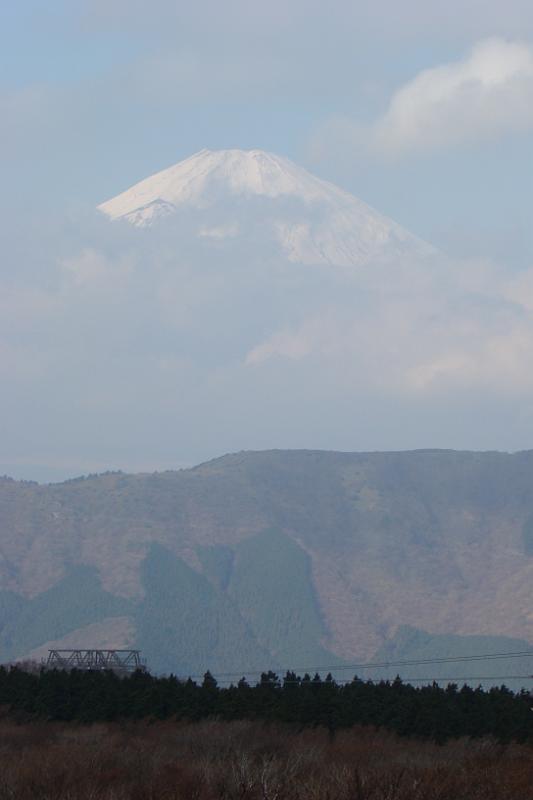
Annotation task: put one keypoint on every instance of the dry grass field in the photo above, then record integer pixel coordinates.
(213, 760)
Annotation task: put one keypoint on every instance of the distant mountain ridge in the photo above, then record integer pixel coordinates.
(313, 221)
(282, 558)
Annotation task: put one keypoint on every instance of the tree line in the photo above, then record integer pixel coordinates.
(430, 711)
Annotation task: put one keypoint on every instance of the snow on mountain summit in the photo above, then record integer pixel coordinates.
(329, 224)
(195, 180)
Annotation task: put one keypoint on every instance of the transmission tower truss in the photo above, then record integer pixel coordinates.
(123, 661)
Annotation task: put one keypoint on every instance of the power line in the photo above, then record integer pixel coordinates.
(380, 664)
(345, 682)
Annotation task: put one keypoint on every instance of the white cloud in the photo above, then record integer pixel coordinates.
(519, 289)
(466, 328)
(486, 95)
(140, 347)
(483, 97)
(405, 354)
(318, 335)
(91, 268)
(494, 362)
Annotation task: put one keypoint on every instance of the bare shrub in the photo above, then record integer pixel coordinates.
(213, 760)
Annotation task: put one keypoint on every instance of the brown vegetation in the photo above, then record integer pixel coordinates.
(250, 761)
(436, 540)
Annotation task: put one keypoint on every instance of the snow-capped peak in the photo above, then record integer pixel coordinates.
(241, 172)
(336, 228)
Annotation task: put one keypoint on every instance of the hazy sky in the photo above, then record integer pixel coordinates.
(423, 109)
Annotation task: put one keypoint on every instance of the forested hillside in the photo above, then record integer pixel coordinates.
(280, 558)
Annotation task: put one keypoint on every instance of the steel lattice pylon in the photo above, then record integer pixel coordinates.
(122, 661)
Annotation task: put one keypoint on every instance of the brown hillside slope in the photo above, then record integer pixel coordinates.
(439, 540)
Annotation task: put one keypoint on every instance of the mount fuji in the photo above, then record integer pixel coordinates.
(226, 195)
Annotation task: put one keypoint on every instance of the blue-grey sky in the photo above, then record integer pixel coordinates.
(422, 109)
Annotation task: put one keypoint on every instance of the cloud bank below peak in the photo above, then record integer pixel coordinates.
(145, 346)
